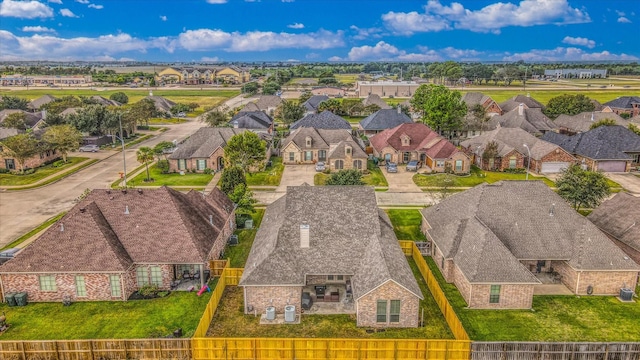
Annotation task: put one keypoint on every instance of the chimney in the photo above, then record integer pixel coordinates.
(521, 109)
(61, 227)
(399, 109)
(82, 210)
(44, 114)
(126, 210)
(304, 236)
(553, 208)
(211, 219)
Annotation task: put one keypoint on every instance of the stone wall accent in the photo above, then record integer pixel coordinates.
(260, 297)
(409, 306)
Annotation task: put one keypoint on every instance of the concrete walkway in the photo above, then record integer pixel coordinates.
(213, 183)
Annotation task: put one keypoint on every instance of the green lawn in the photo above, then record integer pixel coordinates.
(268, 177)
(41, 173)
(554, 318)
(164, 121)
(238, 254)
(373, 178)
(353, 119)
(476, 177)
(171, 179)
(406, 224)
(106, 320)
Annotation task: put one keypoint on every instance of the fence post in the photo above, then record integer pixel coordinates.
(93, 357)
(55, 346)
(24, 354)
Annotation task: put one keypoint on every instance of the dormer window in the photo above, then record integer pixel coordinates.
(308, 141)
(347, 150)
(406, 140)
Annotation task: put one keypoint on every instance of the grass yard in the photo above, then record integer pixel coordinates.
(237, 255)
(106, 319)
(163, 121)
(406, 224)
(554, 318)
(40, 173)
(268, 177)
(229, 321)
(543, 96)
(476, 177)
(171, 179)
(353, 120)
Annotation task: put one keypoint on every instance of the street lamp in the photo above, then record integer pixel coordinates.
(124, 158)
(528, 161)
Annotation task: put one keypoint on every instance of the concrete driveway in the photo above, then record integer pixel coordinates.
(402, 181)
(629, 182)
(295, 175)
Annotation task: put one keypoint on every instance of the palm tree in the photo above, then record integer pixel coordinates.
(145, 154)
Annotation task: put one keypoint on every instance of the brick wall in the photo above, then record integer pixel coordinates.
(447, 271)
(504, 161)
(532, 265)
(260, 297)
(557, 155)
(32, 162)
(221, 241)
(409, 306)
(298, 155)
(603, 282)
(512, 296)
(211, 162)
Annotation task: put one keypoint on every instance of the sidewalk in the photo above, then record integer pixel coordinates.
(212, 184)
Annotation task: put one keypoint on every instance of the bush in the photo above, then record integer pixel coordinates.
(207, 171)
(58, 163)
(516, 171)
(327, 171)
(148, 290)
(4, 171)
(163, 166)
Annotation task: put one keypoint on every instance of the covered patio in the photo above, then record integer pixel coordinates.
(189, 277)
(328, 299)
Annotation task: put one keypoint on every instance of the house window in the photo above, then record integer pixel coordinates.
(142, 276)
(292, 156)
(81, 288)
(406, 156)
(636, 158)
(156, 276)
(339, 165)
(347, 150)
(201, 164)
(381, 311)
(329, 277)
(494, 295)
(114, 283)
(182, 164)
(48, 283)
(322, 155)
(10, 164)
(458, 165)
(339, 277)
(357, 164)
(308, 155)
(439, 163)
(394, 311)
(512, 162)
(308, 141)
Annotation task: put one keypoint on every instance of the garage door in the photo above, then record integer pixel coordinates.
(553, 167)
(612, 166)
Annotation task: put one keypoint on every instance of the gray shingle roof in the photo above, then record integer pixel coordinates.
(601, 143)
(42, 100)
(324, 120)
(320, 138)
(347, 235)
(623, 102)
(204, 142)
(338, 152)
(8, 132)
(161, 103)
(31, 119)
(509, 139)
(250, 107)
(384, 119)
(312, 103)
(268, 101)
(583, 121)
(252, 120)
(513, 103)
(474, 98)
(104, 101)
(530, 220)
(531, 120)
(620, 217)
(375, 99)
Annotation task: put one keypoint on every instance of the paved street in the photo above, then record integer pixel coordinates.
(629, 182)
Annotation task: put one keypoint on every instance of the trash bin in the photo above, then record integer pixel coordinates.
(21, 299)
(10, 299)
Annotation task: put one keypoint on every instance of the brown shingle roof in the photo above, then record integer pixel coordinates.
(582, 122)
(422, 138)
(509, 139)
(620, 217)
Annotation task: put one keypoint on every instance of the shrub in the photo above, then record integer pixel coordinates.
(4, 171)
(163, 166)
(58, 163)
(516, 171)
(148, 290)
(207, 171)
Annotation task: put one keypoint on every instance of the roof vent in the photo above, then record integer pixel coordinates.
(552, 209)
(304, 235)
(521, 109)
(399, 109)
(124, 191)
(82, 210)
(108, 191)
(126, 210)
(61, 227)
(140, 191)
(211, 219)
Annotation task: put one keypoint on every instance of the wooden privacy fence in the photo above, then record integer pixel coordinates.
(555, 351)
(217, 266)
(410, 249)
(228, 276)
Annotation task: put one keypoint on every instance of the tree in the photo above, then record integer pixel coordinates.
(289, 111)
(95, 120)
(346, 177)
(634, 128)
(582, 188)
(178, 108)
(13, 102)
(306, 95)
(603, 122)
(62, 104)
(232, 177)
(250, 88)
(15, 121)
(490, 152)
(243, 198)
(440, 108)
(160, 149)
(245, 150)
(216, 117)
(120, 97)
(63, 138)
(144, 156)
(20, 147)
(270, 88)
(568, 105)
(144, 110)
(332, 105)
(330, 80)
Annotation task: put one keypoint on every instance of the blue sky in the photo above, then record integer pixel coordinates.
(319, 30)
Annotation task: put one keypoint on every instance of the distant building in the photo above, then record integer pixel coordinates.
(575, 73)
(202, 76)
(44, 80)
(386, 88)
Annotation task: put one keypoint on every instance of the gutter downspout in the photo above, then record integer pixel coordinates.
(578, 283)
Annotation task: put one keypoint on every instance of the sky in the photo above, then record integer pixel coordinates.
(319, 30)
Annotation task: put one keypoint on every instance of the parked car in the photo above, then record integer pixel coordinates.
(413, 165)
(89, 148)
(392, 167)
(320, 166)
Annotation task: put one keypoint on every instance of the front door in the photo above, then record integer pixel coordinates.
(10, 164)
(220, 163)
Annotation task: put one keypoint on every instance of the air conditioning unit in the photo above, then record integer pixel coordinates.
(626, 294)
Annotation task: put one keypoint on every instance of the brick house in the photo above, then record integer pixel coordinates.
(114, 242)
(331, 244)
(202, 150)
(416, 141)
(44, 156)
(629, 105)
(497, 242)
(514, 146)
(531, 120)
(573, 124)
(337, 148)
(383, 119)
(619, 218)
(254, 120)
(527, 101)
(605, 148)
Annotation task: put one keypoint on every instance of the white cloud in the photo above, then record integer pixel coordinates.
(624, 20)
(461, 54)
(566, 54)
(37, 29)
(334, 58)
(217, 1)
(620, 13)
(208, 39)
(97, 7)
(210, 59)
(296, 26)
(25, 9)
(55, 1)
(381, 51)
(82, 1)
(163, 17)
(580, 41)
(366, 33)
(288, 1)
(68, 13)
(491, 18)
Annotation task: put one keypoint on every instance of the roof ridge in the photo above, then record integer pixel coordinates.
(114, 246)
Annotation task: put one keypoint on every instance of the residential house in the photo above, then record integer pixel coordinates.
(202, 150)
(330, 91)
(472, 99)
(374, 99)
(31, 120)
(250, 107)
(629, 105)
(531, 120)
(162, 104)
(311, 105)
(36, 104)
(104, 101)
(254, 120)
(383, 119)
(335, 147)
(45, 154)
(70, 111)
(232, 75)
(170, 75)
(516, 148)
(497, 242)
(186, 76)
(324, 120)
(619, 218)
(416, 141)
(473, 124)
(112, 243)
(573, 124)
(605, 148)
(514, 103)
(268, 103)
(331, 244)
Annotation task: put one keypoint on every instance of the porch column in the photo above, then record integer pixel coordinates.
(201, 275)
